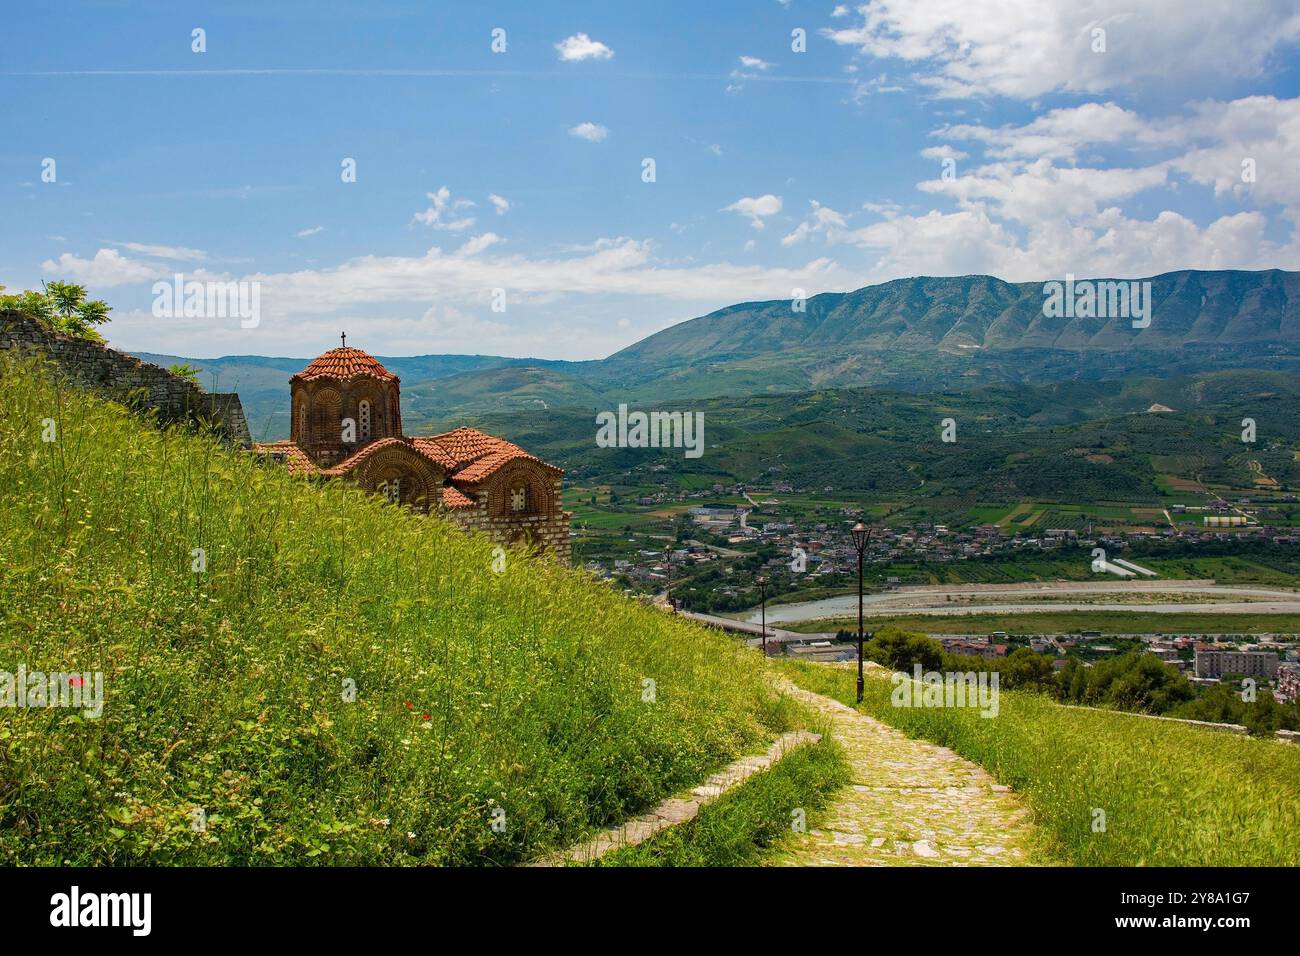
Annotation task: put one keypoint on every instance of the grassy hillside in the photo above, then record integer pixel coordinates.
(226, 689)
(1171, 795)
(1065, 443)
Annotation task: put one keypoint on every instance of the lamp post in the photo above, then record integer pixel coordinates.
(861, 538)
(668, 577)
(762, 594)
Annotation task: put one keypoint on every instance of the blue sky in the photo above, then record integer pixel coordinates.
(775, 170)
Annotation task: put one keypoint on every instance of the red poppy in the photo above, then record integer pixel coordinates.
(426, 717)
(76, 681)
(409, 705)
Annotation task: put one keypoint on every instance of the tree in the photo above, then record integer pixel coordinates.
(74, 314)
(900, 649)
(1024, 668)
(61, 307)
(186, 371)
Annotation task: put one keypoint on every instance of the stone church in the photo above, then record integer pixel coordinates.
(347, 423)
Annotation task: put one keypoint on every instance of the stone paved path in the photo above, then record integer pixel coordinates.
(910, 803)
(681, 809)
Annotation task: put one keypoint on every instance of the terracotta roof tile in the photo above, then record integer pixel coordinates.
(455, 498)
(467, 456)
(342, 364)
(466, 444)
(485, 466)
(431, 449)
(294, 457)
(419, 445)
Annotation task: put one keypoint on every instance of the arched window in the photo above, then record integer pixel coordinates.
(363, 418)
(391, 489)
(519, 498)
(327, 423)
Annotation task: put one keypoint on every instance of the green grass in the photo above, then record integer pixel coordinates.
(1172, 795)
(742, 826)
(476, 692)
(1066, 622)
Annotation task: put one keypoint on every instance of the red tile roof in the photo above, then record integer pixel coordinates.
(347, 464)
(478, 455)
(342, 364)
(455, 498)
(466, 444)
(467, 456)
(294, 456)
(483, 467)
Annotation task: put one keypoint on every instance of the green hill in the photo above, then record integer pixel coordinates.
(1068, 442)
(919, 334)
(520, 697)
(964, 313)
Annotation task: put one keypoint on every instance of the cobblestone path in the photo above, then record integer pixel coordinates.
(910, 803)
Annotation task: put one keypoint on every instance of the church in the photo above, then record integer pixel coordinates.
(347, 423)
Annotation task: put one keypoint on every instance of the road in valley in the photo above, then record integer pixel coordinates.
(949, 600)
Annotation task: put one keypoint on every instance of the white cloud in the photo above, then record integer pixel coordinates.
(441, 215)
(107, 269)
(940, 153)
(591, 132)
(840, 11)
(476, 245)
(313, 231)
(1025, 48)
(1058, 134)
(863, 89)
(1208, 144)
(582, 47)
(558, 305)
(177, 253)
(1224, 135)
(756, 208)
(754, 63)
(823, 220)
(499, 203)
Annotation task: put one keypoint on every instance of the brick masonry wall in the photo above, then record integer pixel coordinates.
(126, 379)
(548, 532)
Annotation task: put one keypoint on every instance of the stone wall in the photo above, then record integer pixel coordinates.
(549, 532)
(126, 379)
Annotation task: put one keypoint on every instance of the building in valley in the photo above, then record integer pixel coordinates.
(347, 423)
(1216, 663)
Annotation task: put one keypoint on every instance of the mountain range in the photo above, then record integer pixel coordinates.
(918, 335)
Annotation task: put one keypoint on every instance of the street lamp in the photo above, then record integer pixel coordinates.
(861, 538)
(668, 577)
(762, 594)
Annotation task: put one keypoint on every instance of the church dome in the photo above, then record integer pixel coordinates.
(344, 364)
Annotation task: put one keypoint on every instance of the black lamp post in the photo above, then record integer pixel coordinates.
(668, 577)
(762, 594)
(861, 538)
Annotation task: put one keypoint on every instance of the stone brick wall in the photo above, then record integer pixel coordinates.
(124, 378)
(549, 532)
